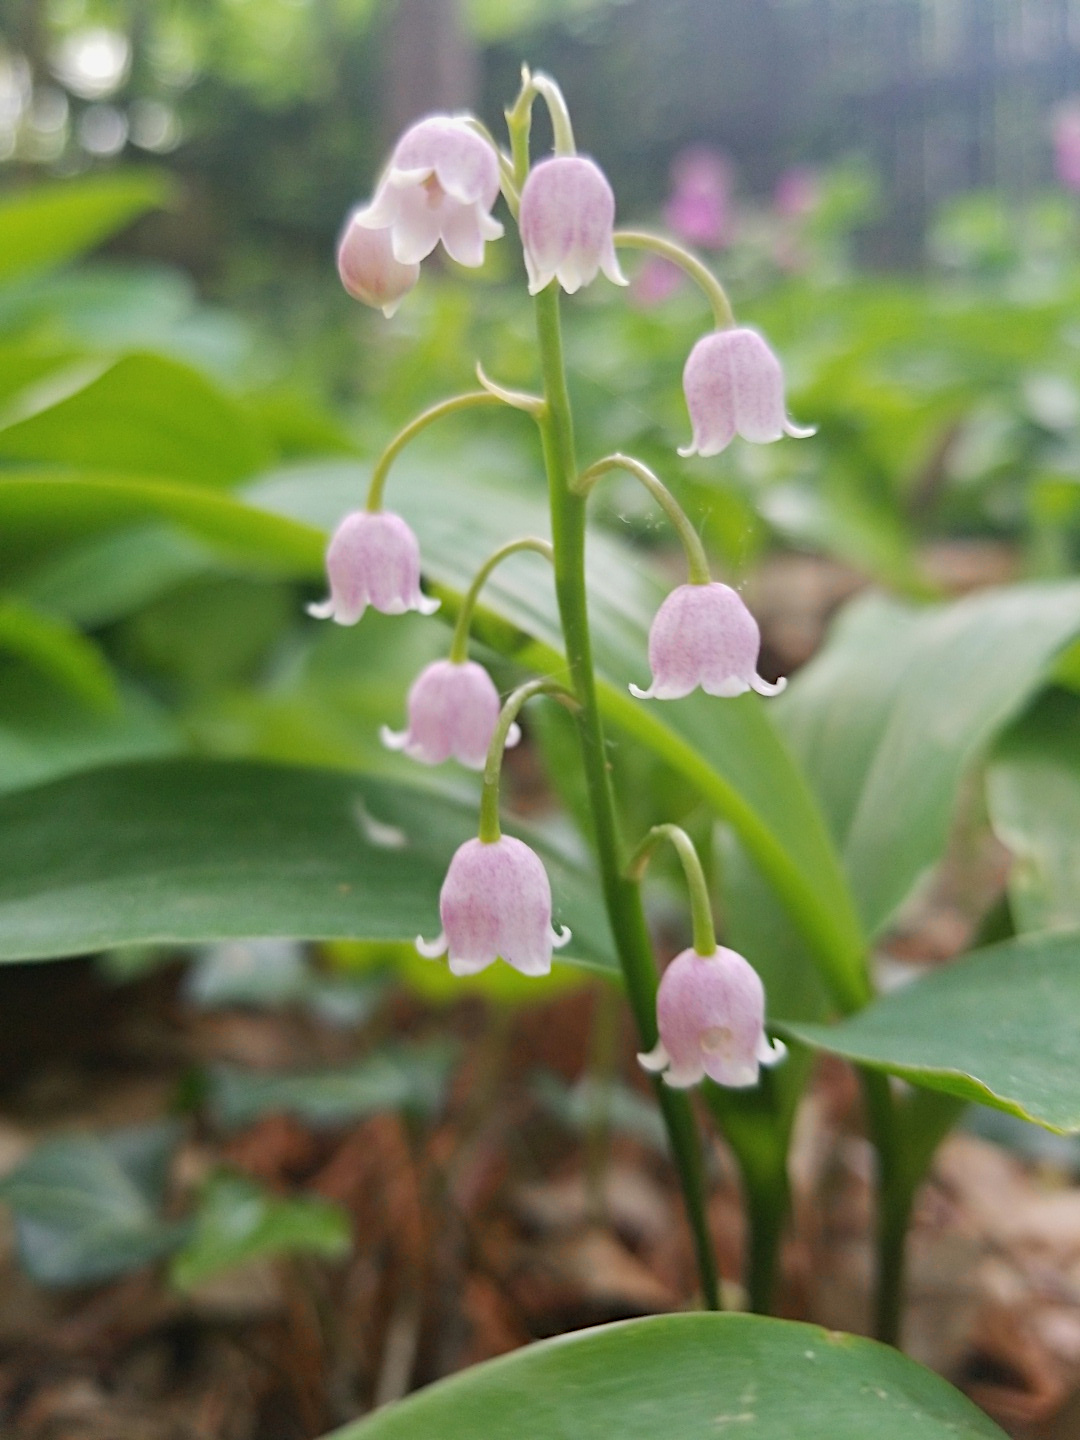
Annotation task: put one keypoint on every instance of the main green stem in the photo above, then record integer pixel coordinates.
(622, 896)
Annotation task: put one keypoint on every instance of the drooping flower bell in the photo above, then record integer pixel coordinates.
(368, 270)
(495, 901)
(704, 635)
(1066, 134)
(453, 709)
(734, 386)
(373, 559)
(567, 220)
(710, 1011)
(441, 183)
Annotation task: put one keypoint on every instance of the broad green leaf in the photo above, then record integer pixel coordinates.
(998, 1027)
(898, 705)
(145, 416)
(42, 510)
(187, 851)
(86, 1207)
(1033, 792)
(59, 650)
(692, 1377)
(728, 749)
(49, 224)
(46, 731)
(237, 1221)
(411, 1079)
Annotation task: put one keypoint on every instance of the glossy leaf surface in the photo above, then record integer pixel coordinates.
(694, 1377)
(998, 1027)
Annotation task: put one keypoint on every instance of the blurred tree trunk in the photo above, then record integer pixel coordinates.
(432, 63)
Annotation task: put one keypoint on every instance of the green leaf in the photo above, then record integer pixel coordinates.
(187, 851)
(49, 224)
(41, 510)
(727, 749)
(46, 731)
(86, 1207)
(237, 1221)
(59, 650)
(998, 1027)
(892, 713)
(146, 416)
(693, 1377)
(411, 1079)
(1033, 792)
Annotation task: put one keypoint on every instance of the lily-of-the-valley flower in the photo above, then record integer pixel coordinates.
(567, 220)
(710, 1011)
(368, 269)
(495, 902)
(704, 635)
(734, 386)
(453, 709)
(373, 559)
(441, 183)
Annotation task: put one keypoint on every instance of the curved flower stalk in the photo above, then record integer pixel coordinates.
(710, 1007)
(496, 898)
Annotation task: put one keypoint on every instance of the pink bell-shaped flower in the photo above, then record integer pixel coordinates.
(495, 901)
(704, 635)
(734, 385)
(453, 709)
(710, 1011)
(441, 183)
(373, 559)
(567, 218)
(699, 209)
(1067, 146)
(368, 270)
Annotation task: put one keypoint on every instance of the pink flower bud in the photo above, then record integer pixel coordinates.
(453, 710)
(567, 217)
(704, 635)
(710, 1011)
(441, 183)
(734, 385)
(373, 559)
(797, 193)
(368, 270)
(495, 901)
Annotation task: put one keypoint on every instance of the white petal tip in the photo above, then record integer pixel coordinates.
(687, 450)
(393, 739)
(640, 694)
(799, 432)
(763, 687)
(771, 1054)
(431, 949)
(427, 605)
(560, 937)
(654, 1060)
(321, 610)
(513, 735)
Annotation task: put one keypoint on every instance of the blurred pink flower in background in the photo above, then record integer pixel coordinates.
(655, 282)
(1066, 133)
(797, 193)
(699, 209)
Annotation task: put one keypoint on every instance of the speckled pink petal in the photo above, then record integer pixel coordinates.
(453, 710)
(734, 384)
(373, 558)
(703, 635)
(566, 220)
